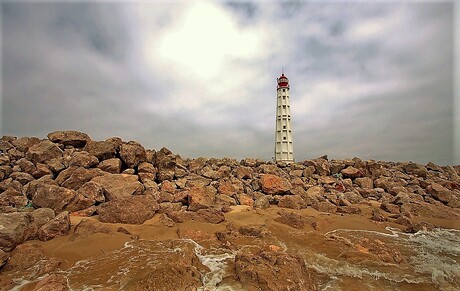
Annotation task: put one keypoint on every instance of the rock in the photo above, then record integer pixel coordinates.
(87, 227)
(90, 211)
(52, 196)
(112, 166)
(132, 153)
(263, 202)
(243, 172)
(315, 191)
(324, 206)
(74, 177)
(390, 208)
(203, 215)
(92, 191)
(257, 271)
(245, 199)
(420, 226)
(21, 177)
(252, 230)
(58, 226)
(13, 230)
(291, 218)
(69, 138)
(415, 169)
(201, 197)
(24, 143)
(119, 185)
(274, 185)
(43, 151)
(83, 159)
(292, 201)
(166, 163)
(440, 193)
(378, 216)
(131, 209)
(39, 217)
(365, 182)
(351, 172)
(3, 258)
(102, 150)
(53, 282)
(55, 165)
(226, 187)
(196, 235)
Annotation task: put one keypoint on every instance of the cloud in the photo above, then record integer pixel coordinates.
(373, 81)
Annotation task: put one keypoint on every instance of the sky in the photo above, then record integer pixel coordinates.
(373, 80)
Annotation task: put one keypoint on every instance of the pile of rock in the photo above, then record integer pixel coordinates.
(123, 182)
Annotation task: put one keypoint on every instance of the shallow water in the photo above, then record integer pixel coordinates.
(431, 261)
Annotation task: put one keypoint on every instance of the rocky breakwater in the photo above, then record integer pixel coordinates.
(44, 182)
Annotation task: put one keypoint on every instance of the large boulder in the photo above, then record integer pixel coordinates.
(119, 185)
(58, 226)
(13, 230)
(256, 271)
(352, 172)
(74, 177)
(58, 198)
(132, 209)
(132, 153)
(440, 192)
(102, 150)
(201, 197)
(82, 159)
(69, 138)
(24, 143)
(112, 166)
(274, 185)
(43, 151)
(292, 201)
(92, 191)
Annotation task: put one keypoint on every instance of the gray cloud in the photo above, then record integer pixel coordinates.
(373, 81)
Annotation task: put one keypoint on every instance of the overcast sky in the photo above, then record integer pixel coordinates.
(371, 80)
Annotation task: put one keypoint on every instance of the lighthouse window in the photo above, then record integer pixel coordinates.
(284, 106)
(284, 138)
(284, 97)
(284, 126)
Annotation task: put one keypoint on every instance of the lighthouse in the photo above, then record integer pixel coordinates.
(283, 135)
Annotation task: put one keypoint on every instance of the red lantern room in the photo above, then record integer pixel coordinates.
(283, 82)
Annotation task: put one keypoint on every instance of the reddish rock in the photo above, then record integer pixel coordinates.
(256, 271)
(69, 138)
(119, 185)
(112, 166)
(201, 197)
(102, 150)
(244, 173)
(132, 153)
(245, 199)
(292, 201)
(274, 185)
(203, 215)
(132, 209)
(52, 196)
(58, 226)
(226, 187)
(90, 211)
(43, 151)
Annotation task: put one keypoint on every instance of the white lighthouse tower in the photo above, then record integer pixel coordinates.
(283, 135)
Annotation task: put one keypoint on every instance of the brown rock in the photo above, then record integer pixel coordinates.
(112, 166)
(13, 230)
(52, 196)
(256, 271)
(365, 182)
(202, 215)
(93, 191)
(21, 177)
(132, 209)
(43, 151)
(3, 258)
(440, 193)
(390, 208)
(83, 159)
(119, 185)
(55, 165)
(324, 206)
(166, 163)
(87, 227)
(102, 150)
(274, 185)
(90, 211)
(263, 202)
(378, 216)
(292, 201)
(415, 169)
(245, 199)
(39, 217)
(58, 226)
(24, 143)
(291, 218)
(243, 172)
(132, 153)
(74, 177)
(226, 187)
(69, 138)
(201, 197)
(351, 172)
